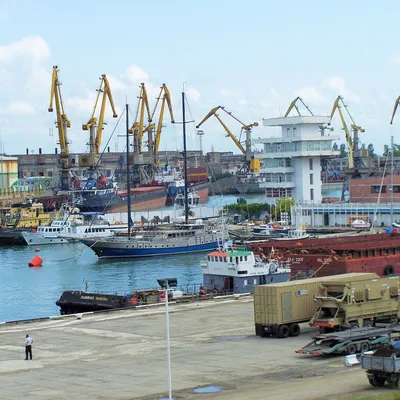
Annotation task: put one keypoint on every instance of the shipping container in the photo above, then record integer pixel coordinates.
(280, 307)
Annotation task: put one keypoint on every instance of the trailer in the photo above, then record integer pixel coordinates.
(381, 370)
(351, 341)
(353, 304)
(279, 308)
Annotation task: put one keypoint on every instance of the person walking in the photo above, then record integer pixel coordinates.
(28, 346)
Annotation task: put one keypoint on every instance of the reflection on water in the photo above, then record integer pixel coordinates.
(31, 292)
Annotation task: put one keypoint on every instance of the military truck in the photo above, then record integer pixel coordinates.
(279, 308)
(353, 304)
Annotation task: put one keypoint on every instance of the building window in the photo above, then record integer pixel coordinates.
(41, 173)
(311, 164)
(311, 179)
(376, 189)
(396, 188)
(32, 173)
(49, 174)
(311, 194)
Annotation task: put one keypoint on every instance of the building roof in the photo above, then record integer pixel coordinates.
(282, 121)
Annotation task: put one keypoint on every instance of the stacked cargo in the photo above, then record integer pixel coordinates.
(280, 307)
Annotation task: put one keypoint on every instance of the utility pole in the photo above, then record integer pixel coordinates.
(391, 180)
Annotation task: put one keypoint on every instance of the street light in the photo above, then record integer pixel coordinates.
(168, 341)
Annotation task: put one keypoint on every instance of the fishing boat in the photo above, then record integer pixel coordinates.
(361, 224)
(295, 234)
(232, 271)
(181, 238)
(71, 227)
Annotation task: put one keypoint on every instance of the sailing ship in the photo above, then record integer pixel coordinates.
(181, 238)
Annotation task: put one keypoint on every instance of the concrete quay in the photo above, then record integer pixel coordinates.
(122, 355)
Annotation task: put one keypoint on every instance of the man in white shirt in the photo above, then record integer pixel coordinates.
(28, 346)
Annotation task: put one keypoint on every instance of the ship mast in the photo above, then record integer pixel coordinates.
(185, 159)
(128, 178)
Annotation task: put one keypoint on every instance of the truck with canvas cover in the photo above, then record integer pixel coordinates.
(279, 308)
(353, 304)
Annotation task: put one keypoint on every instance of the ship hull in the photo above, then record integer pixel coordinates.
(12, 239)
(248, 188)
(142, 199)
(113, 250)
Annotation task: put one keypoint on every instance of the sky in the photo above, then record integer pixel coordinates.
(252, 57)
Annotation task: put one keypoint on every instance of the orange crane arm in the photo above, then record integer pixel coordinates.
(62, 120)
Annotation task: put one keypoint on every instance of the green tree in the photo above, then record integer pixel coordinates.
(283, 204)
(343, 151)
(335, 147)
(241, 200)
(371, 150)
(385, 150)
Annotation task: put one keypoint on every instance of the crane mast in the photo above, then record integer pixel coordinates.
(246, 128)
(165, 97)
(352, 143)
(62, 123)
(138, 128)
(95, 136)
(293, 104)
(396, 105)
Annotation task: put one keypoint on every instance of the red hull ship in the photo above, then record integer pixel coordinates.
(378, 253)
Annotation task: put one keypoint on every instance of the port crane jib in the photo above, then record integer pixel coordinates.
(254, 164)
(96, 136)
(62, 123)
(293, 104)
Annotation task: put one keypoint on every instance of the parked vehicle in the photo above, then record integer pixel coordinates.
(347, 303)
(382, 369)
(351, 341)
(279, 308)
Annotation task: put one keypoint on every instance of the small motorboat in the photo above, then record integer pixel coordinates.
(360, 224)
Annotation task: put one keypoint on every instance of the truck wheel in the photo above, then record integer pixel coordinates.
(379, 381)
(364, 346)
(371, 382)
(394, 384)
(294, 330)
(354, 325)
(351, 349)
(367, 323)
(283, 332)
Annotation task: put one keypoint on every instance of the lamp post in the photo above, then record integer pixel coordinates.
(168, 341)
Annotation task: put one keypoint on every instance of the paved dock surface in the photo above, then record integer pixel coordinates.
(122, 355)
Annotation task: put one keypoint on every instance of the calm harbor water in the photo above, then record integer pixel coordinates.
(31, 292)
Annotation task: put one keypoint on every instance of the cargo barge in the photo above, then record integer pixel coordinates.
(375, 253)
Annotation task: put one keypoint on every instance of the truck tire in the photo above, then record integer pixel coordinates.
(371, 382)
(379, 381)
(394, 381)
(351, 349)
(283, 332)
(294, 330)
(354, 325)
(364, 346)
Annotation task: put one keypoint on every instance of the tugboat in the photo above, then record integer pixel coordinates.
(231, 271)
(19, 218)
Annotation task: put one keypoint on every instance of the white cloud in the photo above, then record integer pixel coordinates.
(228, 93)
(115, 83)
(136, 75)
(337, 85)
(82, 105)
(193, 94)
(20, 108)
(310, 95)
(34, 47)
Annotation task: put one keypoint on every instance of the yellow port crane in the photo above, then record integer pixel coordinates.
(396, 105)
(138, 129)
(253, 163)
(352, 143)
(293, 104)
(165, 97)
(96, 136)
(62, 123)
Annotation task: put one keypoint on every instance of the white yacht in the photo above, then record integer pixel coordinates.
(73, 226)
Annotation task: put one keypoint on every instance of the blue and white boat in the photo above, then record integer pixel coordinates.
(179, 239)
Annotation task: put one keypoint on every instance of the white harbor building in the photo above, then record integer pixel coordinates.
(291, 163)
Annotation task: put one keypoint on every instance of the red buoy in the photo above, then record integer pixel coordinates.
(36, 262)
